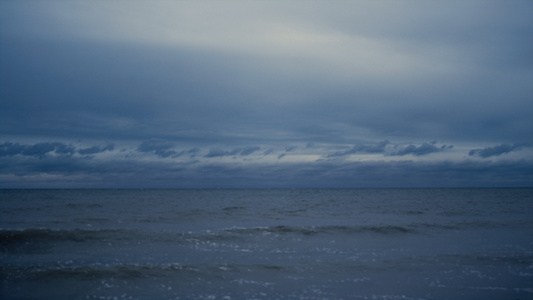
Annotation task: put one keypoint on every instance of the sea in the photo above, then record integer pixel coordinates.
(266, 244)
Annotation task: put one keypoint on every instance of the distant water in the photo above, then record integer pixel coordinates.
(267, 244)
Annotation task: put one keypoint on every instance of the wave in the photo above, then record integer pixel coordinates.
(132, 270)
(24, 241)
(233, 208)
(151, 270)
(10, 238)
(40, 240)
(381, 229)
(315, 230)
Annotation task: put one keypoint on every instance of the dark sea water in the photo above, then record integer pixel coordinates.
(267, 244)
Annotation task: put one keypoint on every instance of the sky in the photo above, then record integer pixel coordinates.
(266, 94)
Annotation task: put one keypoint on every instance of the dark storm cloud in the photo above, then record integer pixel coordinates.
(249, 150)
(362, 148)
(423, 149)
(268, 151)
(76, 172)
(96, 149)
(287, 149)
(217, 152)
(290, 148)
(497, 150)
(37, 150)
(42, 149)
(9, 149)
(193, 152)
(158, 147)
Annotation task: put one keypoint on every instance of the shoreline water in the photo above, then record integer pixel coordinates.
(266, 244)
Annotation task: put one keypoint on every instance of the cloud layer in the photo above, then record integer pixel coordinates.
(182, 91)
(498, 150)
(41, 150)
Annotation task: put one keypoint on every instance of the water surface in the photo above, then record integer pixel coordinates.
(267, 244)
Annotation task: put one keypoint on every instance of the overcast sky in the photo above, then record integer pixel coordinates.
(196, 94)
